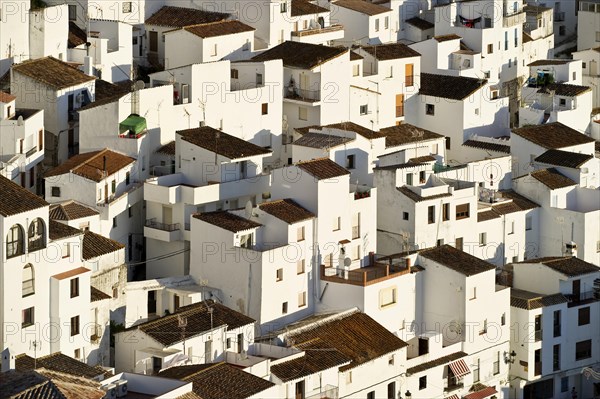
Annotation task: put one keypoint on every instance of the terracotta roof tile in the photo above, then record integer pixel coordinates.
(226, 145)
(486, 215)
(564, 89)
(227, 221)
(362, 6)
(444, 38)
(59, 230)
(354, 127)
(16, 199)
(436, 362)
(322, 168)
(496, 147)
(531, 300)
(482, 393)
(553, 135)
(70, 273)
(321, 140)
(167, 149)
(71, 210)
(95, 245)
(106, 91)
(6, 98)
(450, 87)
(411, 163)
(391, 51)
(548, 62)
(301, 55)
(418, 198)
(518, 203)
(355, 56)
(406, 133)
(165, 329)
(420, 23)
(77, 36)
(570, 266)
(52, 72)
(552, 178)
(56, 362)
(305, 7)
(564, 158)
(457, 260)
(287, 210)
(97, 295)
(178, 17)
(46, 384)
(219, 28)
(355, 336)
(90, 165)
(219, 380)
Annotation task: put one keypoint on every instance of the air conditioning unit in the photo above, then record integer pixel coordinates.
(111, 391)
(121, 388)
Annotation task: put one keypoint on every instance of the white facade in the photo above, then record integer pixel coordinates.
(587, 20)
(48, 28)
(14, 34)
(375, 26)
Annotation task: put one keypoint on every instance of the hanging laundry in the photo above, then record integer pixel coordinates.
(469, 23)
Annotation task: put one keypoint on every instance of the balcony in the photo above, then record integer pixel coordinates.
(453, 384)
(327, 392)
(317, 31)
(559, 16)
(162, 231)
(31, 152)
(363, 276)
(513, 19)
(582, 298)
(538, 335)
(294, 93)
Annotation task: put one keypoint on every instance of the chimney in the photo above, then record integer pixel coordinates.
(8, 360)
(571, 249)
(371, 258)
(408, 263)
(88, 68)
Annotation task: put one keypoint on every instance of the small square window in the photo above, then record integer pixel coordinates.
(279, 275)
(56, 191)
(482, 239)
(283, 7)
(127, 7)
(584, 316)
(423, 382)
(300, 234)
(265, 108)
(300, 266)
(562, 102)
(228, 343)
(404, 215)
(284, 308)
(350, 162)
(234, 74)
(27, 317)
(429, 109)
(74, 287)
(364, 109)
(302, 299)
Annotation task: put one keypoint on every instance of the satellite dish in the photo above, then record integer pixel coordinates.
(347, 262)
(139, 85)
(249, 210)
(20, 120)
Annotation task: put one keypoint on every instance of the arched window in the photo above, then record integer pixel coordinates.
(36, 235)
(28, 280)
(15, 241)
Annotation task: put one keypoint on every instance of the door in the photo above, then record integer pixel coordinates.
(304, 82)
(423, 346)
(459, 243)
(408, 74)
(151, 302)
(576, 289)
(153, 42)
(300, 390)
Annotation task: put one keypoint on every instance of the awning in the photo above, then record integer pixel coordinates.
(459, 368)
(453, 397)
(484, 393)
(134, 124)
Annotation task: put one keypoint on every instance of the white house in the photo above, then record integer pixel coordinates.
(21, 143)
(538, 34)
(364, 22)
(590, 62)
(14, 34)
(48, 28)
(195, 334)
(107, 181)
(208, 42)
(418, 29)
(584, 169)
(59, 89)
(44, 280)
(586, 19)
(560, 333)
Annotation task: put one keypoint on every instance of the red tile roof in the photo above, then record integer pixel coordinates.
(91, 164)
(227, 221)
(221, 143)
(287, 210)
(52, 72)
(46, 384)
(71, 210)
(362, 6)
(553, 135)
(484, 393)
(552, 178)
(219, 28)
(322, 168)
(16, 199)
(71, 273)
(6, 98)
(56, 362)
(301, 55)
(95, 245)
(178, 17)
(59, 230)
(305, 7)
(457, 260)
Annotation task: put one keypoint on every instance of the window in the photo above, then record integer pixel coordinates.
(583, 65)
(391, 74)
(409, 179)
(557, 324)
(484, 329)
(284, 308)
(246, 240)
(176, 302)
(279, 275)
(583, 350)
(516, 38)
(422, 177)
(130, 212)
(302, 299)
(377, 25)
(15, 241)
(386, 23)
(564, 384)
(66, 250)
(423, 382)
(303, 113)
(300, 234)
(228, 343)
(440, 242)
(36, 236)
(113, 186)
(496, 365)
(399, 105)
(490, 48)
(283, 7)
(458, 244)
(476, 370)
(27, 317)
(364, 109)
(127, 7)
(371, 395)
(349, 377)
(562, 102)
(77, 353)
(240, 342)
(356, 252)
(74, 325)
(75, 287)
(28, 287)
(431, 214)
(446, 212)
(300, 266)
(391, 390)
(404, 215)
(391, 360)
(537, 328)
(462, 211)
(234, 74)
(409, 79)
(355, 70)
(482, 239)
(448, 143)
(574, 75)
(505, 40)
(350, 162)
(259, 79)
(72, 12)
(265, 108)
(336, 223)
(153, 42)
(207, 351)
(429, 109)
(387, 297)
(584, 316)
(503, 319)
(556, 357)
(528, 223)
(214, 50)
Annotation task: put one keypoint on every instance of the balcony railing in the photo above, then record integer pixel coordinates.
(152, 223)
(31, 152)
(294, 93)
(327, 392)
(454, 383)
(559, 16)
(582, 297)
(316, 31)
(362, 276)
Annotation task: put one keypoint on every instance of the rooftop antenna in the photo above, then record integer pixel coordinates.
(135, 106)
(217, 137)
(182, 323)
